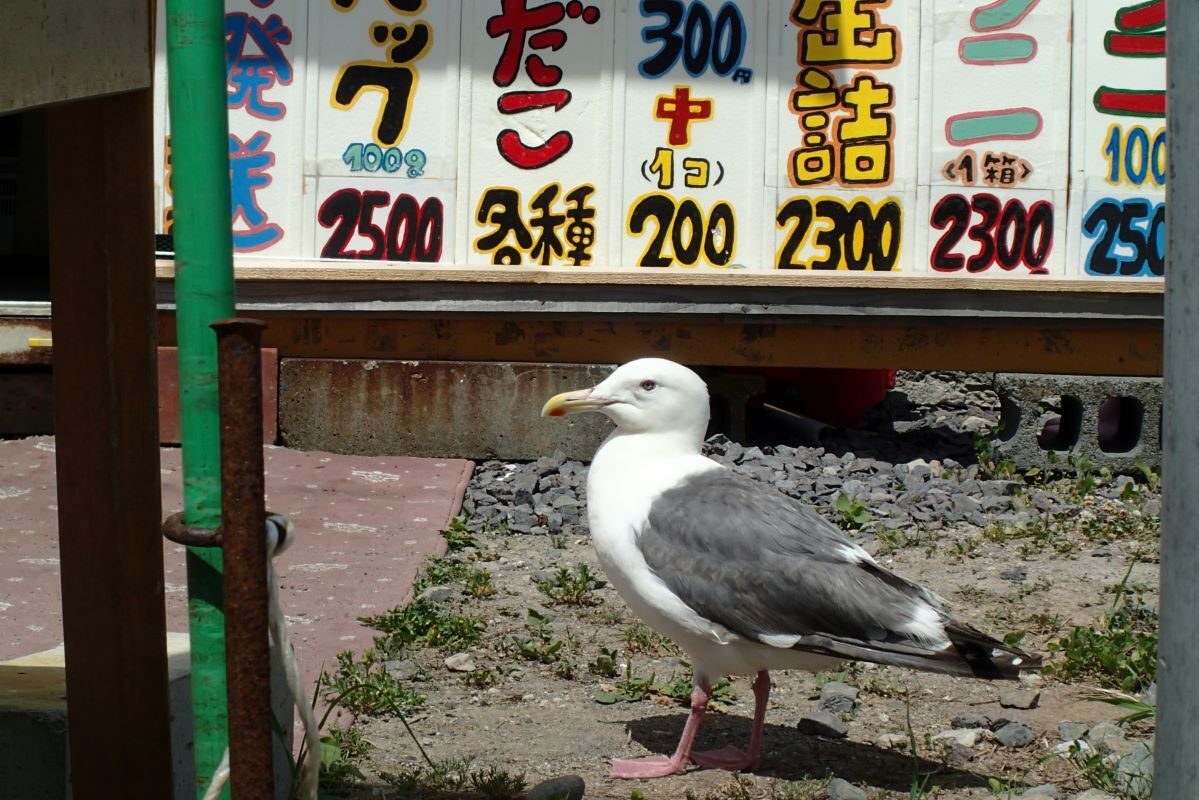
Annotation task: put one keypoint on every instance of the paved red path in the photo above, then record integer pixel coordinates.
(364, 527)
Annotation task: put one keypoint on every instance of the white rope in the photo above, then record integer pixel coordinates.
(276, 524)
(219, 778)
(279, 535)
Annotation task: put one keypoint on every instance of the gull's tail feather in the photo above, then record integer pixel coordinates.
(969, 654)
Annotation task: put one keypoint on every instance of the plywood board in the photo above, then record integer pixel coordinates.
(57, 50)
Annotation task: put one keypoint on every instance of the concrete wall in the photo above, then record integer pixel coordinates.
(435, 409)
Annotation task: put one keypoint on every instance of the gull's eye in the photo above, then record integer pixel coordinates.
(648, 386)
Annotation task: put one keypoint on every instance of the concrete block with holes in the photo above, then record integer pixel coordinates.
(1113, 422)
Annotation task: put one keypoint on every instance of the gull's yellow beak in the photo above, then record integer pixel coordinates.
(572, 402)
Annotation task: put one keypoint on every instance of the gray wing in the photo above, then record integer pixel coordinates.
(764, 565)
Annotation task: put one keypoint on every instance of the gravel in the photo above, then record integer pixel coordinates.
(916, 470)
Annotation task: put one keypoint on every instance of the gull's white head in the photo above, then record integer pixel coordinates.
(649, 395)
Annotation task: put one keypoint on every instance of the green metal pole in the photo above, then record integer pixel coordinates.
(203, 294)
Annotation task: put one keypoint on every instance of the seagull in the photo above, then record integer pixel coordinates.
(744, 578)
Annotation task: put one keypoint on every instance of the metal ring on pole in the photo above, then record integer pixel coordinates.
(178, 532)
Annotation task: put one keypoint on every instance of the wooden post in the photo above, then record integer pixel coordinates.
(106, 423)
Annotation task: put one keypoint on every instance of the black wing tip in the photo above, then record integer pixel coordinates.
(989, 658)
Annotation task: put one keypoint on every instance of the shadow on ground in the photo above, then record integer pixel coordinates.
(790, 755)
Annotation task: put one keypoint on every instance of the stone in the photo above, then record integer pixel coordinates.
(892, 741)
(1093, 794)
(960, 752)
(840, 789)
(822, 723)
(460, 662)
(401, 670)
(971, 720)
(1134, 772)
(966, 737)
(1018, 698)
(1108, 737)
(437, 594)
(974, 424)
(1014, 734)
(1069, 731)
(544, 576)
(838, 698)
(1046, 791)
(1014, 574)
(1078, 747)
(567, 787)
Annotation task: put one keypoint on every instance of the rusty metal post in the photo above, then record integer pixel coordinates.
(247, 659)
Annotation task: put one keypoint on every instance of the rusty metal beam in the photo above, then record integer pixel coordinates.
(106, 423)
(25, 341)
(247, 649)
(1132, 348)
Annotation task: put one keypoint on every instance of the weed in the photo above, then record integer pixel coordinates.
(608, 615)
(458, 536)
(679, 688)
(479, 584)
(810, 789)
(971, 593)
(984, 451)
(640, 638)
(604, 664)
(1103, 772)
(439, 571)
(1084, 474)
(848, 675)
(1044, 623)
(497, 784)
(631, 689)
(853, 513)
(964, 548)
(363, 686)
(1151, 477)
(541, 647)
(891, 540)
(1120, 653)
(453, 779)
(483, 678)
(425, 624)
(571, 587)
(919, 786)
(1138, 710)
(342, 750)
(1002, 790)
(566, 670)
(883, 685)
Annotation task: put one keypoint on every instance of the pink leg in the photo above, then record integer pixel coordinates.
(659, 766)
(730, 758)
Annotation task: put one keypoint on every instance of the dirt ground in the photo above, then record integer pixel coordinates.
(543, 719)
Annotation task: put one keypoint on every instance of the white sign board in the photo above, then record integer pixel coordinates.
(965, 138)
